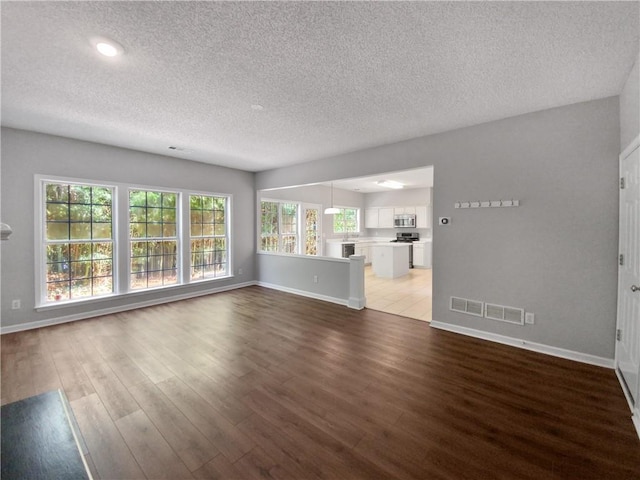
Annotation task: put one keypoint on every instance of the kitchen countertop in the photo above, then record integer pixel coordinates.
(392, 244)
(362, 240)
(374, 240)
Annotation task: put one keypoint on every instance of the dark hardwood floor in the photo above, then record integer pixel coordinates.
(255, 383)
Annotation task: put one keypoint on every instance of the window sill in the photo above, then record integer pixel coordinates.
(136, 293)
(309, 257)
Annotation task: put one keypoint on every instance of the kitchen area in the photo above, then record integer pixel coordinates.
(396, 242)
(387, 219)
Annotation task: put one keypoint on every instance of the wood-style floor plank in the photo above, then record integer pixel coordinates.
(191, 446)
(150, 449)
(255, 383)
(280, 447)
(225, 436)
(109, 452)
(218, 469)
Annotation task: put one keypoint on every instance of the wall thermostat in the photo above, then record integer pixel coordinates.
(444, 220)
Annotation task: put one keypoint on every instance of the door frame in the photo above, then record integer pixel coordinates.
(635, 409)
(303, 230)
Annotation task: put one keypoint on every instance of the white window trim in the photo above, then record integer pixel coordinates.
(179, 240)
(343, 207)
(303, 236)
(186, 226)
(299, 225)
(120, 237)
(40, 262)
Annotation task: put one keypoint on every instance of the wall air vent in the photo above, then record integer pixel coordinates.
(463, 305)
(504, 314)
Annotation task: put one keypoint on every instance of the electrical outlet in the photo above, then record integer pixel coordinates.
(239, 271)
(529, 318)
(15, 305)
(315, 279)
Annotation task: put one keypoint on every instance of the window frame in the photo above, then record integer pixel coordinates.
(298, 224)
(303, 229)
(41, 242)
(259, 218)
(178, 239)
(226, 236)
(358, 220)
(121, 241)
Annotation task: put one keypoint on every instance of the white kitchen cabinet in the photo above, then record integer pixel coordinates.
(382, 217)
(371, 218)
(423, 216)
(385, 217)
(422, 254)
(418, 254)
(427, 254)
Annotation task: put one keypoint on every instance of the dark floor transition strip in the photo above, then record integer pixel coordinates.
(37, 440)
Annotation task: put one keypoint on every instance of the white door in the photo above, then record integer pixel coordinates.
(312, 233)
(628, 334)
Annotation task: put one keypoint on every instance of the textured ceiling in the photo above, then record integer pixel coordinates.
(333, 77)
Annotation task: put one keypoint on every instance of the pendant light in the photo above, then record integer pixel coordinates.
(331, 210)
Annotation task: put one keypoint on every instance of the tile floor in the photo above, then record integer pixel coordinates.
(409, 296)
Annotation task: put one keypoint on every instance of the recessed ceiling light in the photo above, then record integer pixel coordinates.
(107, 47)
(390, 184)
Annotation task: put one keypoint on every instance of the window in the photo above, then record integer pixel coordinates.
(208, 229)
(279, 227)
(78, 241)
(269, 226)
(154, 240)
(347, 221)
(289, 230)
(311, 230)
(169, 238)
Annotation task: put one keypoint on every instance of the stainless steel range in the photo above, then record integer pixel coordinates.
(407, 237)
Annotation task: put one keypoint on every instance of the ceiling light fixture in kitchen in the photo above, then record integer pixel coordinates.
(390, 184)
(107, 47)
(331, 210)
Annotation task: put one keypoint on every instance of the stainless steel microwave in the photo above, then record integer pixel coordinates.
(406, 220)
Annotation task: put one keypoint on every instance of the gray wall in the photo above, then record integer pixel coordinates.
(555, 255)
(630, 107)
(25, 154)
(296, 273)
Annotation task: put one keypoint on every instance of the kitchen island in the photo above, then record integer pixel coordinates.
(390, 260)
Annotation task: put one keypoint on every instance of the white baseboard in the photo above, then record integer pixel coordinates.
(526, 345)
(122, 308)
(635, 418)
(635, 412)
(305, 293)
(357, 303)
(623, 385)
